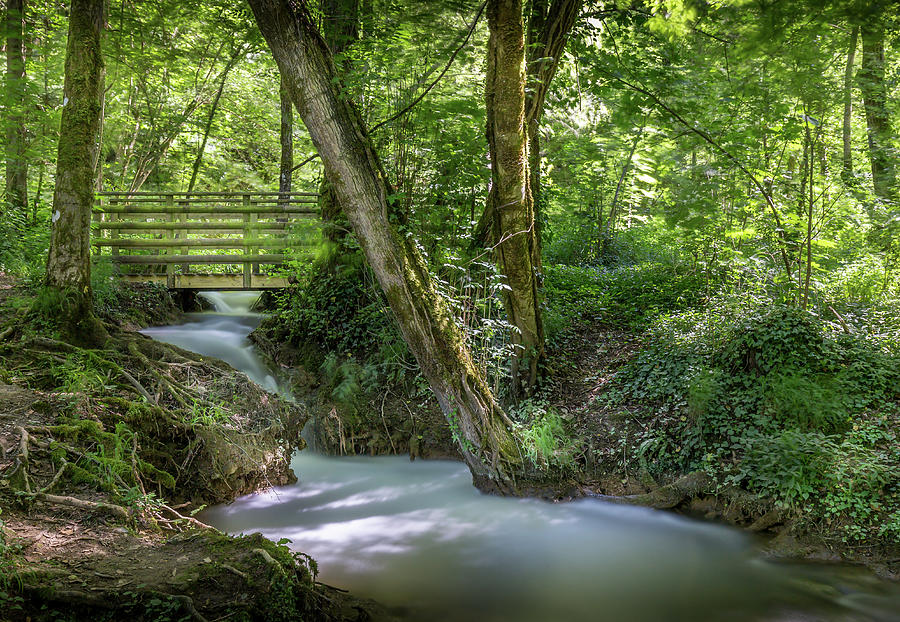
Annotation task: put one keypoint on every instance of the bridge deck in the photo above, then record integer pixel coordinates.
(193, 241)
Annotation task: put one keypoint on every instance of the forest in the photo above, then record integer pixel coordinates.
(446, 310)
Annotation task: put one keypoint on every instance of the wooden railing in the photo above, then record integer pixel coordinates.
(163, 235)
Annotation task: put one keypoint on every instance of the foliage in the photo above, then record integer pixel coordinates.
(630, 295)
(546, 442)
(769, 398)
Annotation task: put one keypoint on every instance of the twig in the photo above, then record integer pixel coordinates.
(440, 75)
(188, 519)
(384, 421)
(23, 456)
(55, 479)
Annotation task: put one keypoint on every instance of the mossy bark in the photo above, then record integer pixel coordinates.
(510, 195)
(486, 439)
(16, 163)
(549, 25)
(340, 28)
(69, 264)
(285, 177)
(871, 83)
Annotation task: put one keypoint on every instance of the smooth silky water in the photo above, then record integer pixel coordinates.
(419, 537)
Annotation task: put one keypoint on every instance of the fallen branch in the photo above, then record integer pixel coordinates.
(188, 519)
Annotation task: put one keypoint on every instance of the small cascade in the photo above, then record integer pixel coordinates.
(237, 303)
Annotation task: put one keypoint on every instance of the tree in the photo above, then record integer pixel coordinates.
(549, 25)
(340, 28)
(286, 138)
(871, 83)
(846, 129)
(16, 164)
(69, 265)
(484, 432)
(510, 201)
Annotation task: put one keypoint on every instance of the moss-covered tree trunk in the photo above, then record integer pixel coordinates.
(340, 28)
(69, 264)
(549, 25)
(846, 127)
(510, 196)
(285, 175)
(486, 439)
(871, 83)
(16, 164)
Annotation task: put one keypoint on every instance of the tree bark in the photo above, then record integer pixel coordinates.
(340, 29)
(16, 164)
(69, 264)
(285, 176)
(486, 439)
(549, 26)
(871, 83)
(847, 168)
(510, 195)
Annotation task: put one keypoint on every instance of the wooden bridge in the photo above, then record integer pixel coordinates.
(205, 240)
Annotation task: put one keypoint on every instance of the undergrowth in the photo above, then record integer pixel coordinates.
(776, 400)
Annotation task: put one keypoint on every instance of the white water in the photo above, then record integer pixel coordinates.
(419, 537)
(222, 334)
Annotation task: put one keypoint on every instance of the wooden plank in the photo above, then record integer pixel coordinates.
(198, 259)
(144, 193)
(205, 209)
(245, 243)
(210, 281)
(154, 227)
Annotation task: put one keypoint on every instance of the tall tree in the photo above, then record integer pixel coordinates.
(286, 138)
(510, 199)
(846, 129)
(484, 432)
(549, 25)
(871, 83)
(69, 263)
(340, 28)
(16, 163)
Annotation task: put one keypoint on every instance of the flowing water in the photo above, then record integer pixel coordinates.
(417, 536)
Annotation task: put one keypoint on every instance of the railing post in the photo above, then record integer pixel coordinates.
(248, 267)
(170, 235)
(113, 233)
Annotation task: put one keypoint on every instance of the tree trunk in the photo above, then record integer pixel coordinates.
(16, 164)
(69, 263)
(340, 29)
(548, 31)
(847, 169)
(871, 83)
(510, 195)
(486, 440)
(287, 140)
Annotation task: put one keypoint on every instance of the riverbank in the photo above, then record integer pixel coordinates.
(108, 453)
(752, 414)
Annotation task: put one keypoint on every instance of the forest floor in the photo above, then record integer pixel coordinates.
(105, 454)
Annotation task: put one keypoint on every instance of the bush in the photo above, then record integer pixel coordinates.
(771, 399)
(627, 296)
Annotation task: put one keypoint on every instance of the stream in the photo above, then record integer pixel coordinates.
(418, 537)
